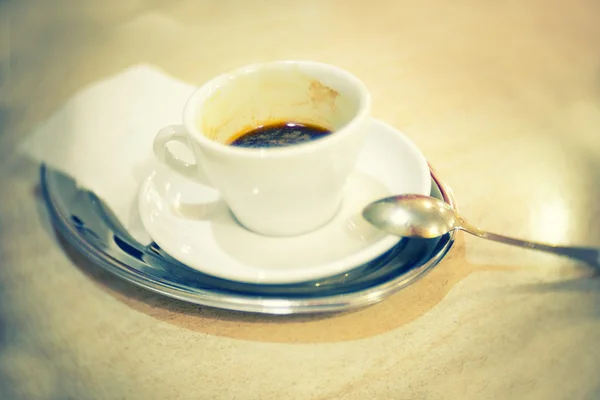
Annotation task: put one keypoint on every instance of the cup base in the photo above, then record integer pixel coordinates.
(288, 234)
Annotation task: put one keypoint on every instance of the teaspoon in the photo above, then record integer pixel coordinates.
(427, 217)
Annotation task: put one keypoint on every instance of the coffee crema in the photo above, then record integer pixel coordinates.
(279, 135)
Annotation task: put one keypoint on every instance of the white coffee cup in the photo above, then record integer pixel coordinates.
(276, 191)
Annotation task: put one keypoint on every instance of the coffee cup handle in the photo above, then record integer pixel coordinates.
(173, 133)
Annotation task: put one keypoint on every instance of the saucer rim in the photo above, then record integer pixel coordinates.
(295, 275)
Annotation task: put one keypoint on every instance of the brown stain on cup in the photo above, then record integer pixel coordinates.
(320, 94)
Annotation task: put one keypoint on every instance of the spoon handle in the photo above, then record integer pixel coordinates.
(586, 254)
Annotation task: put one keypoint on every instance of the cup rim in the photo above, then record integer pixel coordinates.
(204, 92)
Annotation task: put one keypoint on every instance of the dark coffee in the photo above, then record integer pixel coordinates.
(279, 135)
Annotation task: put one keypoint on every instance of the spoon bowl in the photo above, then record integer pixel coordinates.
(412, 216)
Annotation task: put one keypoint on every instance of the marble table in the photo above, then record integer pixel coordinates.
(503, 98)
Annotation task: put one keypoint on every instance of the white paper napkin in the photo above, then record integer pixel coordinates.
(103, 136)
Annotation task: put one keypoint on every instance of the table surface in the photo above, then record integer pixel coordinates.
(503, 98)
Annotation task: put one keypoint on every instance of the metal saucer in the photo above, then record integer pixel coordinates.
(85, 221)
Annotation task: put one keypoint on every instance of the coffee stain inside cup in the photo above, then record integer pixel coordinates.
(322, 94)
(258, 102)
